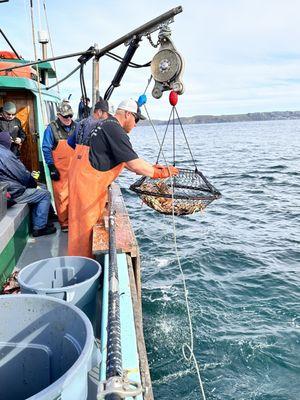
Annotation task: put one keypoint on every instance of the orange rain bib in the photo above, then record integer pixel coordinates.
(88, 196)
(62, 157)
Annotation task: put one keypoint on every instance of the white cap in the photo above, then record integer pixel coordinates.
(131, 106)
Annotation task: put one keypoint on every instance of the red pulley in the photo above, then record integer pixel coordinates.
(173, 98)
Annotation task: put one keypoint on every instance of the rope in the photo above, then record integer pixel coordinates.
(156, 134)
(37, 67)
(51, 46)
(185, 346)
(186, 139)
(148, 83)
(66, 77)
(162, 143)
(120, 59)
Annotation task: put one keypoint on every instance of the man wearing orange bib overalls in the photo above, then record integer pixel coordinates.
(58, 156)
(99, 164)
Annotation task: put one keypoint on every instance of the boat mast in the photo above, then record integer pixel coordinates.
(43, 39)
(95, 78)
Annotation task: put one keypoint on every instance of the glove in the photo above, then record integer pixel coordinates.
(35, 175)
(161, 172)
(54, 173)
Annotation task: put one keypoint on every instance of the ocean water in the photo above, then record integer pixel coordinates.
(241, 261)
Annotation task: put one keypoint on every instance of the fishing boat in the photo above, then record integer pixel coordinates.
(118, 368)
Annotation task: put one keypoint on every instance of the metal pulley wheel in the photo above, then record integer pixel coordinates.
(166, 65)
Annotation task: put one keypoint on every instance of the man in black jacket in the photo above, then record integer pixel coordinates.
(23, 189)
(10, 123)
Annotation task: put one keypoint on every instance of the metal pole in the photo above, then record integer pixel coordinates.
(44, 55)
(10, 45)
(149, 27)
(95, 89)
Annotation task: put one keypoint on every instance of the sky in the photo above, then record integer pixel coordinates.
(240, 56)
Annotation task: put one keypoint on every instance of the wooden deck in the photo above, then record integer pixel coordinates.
(125, 238)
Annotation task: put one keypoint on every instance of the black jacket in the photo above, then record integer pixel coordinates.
(14, 173)
(14, 127)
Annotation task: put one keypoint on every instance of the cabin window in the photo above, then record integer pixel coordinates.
(51, 110)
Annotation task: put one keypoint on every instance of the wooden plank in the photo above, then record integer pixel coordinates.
(125, 238)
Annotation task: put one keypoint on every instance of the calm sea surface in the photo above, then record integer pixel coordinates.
(241, 261)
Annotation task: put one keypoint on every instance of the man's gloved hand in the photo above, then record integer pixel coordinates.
(35, 175)
(54, 173)
(161, 172)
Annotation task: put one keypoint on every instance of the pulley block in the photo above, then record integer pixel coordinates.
(167, 66)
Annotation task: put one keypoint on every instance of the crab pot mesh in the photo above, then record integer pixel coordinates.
(191, 192)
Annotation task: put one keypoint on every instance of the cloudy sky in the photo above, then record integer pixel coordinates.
(241, 56)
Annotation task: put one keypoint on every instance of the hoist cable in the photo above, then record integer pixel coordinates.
(63, 79)
(120, 59)
(185, 346)
(148, 83)
(156, 134)
(179, 120)
(162, 143)
(174, 143)
(83, 90)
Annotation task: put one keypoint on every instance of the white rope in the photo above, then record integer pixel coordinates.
(189, 347)
(185, 346)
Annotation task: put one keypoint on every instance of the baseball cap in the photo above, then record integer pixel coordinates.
(9, 107)
(102, 105)
(64, 109)
(131, 106)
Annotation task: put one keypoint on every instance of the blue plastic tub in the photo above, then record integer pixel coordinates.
(46, 349)
(73, 279)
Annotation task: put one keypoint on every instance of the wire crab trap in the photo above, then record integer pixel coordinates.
(187, 193)
(183, 194)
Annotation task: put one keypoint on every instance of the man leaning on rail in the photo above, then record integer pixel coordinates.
(109, 152)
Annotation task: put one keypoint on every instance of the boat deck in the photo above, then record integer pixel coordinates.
(44, 247)
(134, 355)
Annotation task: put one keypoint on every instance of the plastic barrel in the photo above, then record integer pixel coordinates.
(73, 279)
(46, 349)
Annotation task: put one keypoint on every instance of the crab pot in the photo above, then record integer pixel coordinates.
(46, 349)
(184, 194)
(69, 278)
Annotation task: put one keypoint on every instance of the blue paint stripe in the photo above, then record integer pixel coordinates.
(128, 334)
(130, 358)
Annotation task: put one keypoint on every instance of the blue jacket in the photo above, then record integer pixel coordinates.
(81, 135)
(50, 143)
(14, 173)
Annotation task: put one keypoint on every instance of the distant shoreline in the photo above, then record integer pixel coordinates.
(212, 119)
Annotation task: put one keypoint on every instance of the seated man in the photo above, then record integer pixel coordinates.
(9, 123)
(22, 188)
